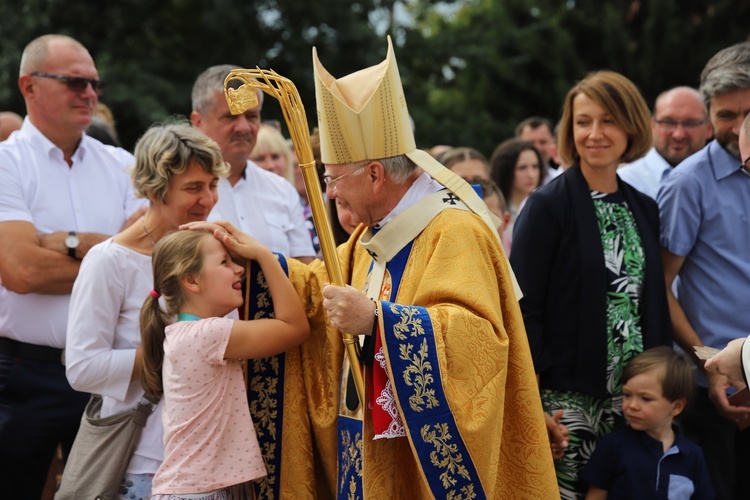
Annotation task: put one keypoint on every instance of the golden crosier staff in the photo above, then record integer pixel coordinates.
(243, 98)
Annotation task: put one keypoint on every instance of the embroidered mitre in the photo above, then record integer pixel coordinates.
(362, 116)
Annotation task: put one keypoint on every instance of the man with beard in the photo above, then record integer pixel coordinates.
(704, 211)
(680, 127)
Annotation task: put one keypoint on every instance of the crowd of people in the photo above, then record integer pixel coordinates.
(525, 321)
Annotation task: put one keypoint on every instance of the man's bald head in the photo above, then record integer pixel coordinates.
(36, 52)
(680, 124)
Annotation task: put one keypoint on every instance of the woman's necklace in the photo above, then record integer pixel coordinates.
(143, 224)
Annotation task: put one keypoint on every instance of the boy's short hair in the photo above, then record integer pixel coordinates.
(676, 374)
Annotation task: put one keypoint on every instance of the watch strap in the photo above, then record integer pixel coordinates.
(72, 250)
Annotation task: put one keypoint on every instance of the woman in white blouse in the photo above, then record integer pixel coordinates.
(177, 169)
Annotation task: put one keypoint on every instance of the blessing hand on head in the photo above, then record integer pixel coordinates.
(223, 231)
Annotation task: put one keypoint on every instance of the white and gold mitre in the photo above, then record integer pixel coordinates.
(362, 116)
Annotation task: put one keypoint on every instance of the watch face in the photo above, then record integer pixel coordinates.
(71, 241)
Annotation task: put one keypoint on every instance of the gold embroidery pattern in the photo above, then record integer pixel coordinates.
(352, 490)
(267, 484)
(263, 385)
(446, 457)
(351, 457)
(264, 405)
(418, 375)
(262, 300)
(408, 323)
(467, 493)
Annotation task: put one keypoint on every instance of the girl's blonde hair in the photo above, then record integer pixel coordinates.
(176, 256)
(270, 140)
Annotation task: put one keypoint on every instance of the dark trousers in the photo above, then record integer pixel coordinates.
(725, 447)
(38, 411)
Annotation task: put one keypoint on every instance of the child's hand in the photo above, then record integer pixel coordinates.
(214, 229)
(241, 243)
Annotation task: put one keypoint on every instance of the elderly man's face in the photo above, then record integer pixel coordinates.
(235, 134)
(347, 185)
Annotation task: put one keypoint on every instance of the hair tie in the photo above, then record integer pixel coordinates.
(154, 294)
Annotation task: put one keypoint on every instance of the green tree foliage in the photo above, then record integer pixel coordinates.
(471, 69)
(151, 51)
(494, 62)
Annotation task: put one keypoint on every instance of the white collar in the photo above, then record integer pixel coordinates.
(423, 186)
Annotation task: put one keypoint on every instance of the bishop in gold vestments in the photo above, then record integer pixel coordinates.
(451, 408)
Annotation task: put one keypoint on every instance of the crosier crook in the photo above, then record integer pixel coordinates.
(241, 99)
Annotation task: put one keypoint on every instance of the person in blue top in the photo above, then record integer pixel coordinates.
(650, 459)
(704, 210)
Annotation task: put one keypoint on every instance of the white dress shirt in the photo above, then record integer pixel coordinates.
(38, 186)
(265, 206)
(647, 173)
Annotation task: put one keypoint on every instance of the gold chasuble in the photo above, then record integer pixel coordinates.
(450, 345)
(460, 366)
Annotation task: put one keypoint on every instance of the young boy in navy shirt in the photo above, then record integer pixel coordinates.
(650, 459)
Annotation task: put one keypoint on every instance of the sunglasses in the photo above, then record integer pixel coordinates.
(75, 83)
(745, 168)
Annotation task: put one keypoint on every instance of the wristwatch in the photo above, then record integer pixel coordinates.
(72, 242)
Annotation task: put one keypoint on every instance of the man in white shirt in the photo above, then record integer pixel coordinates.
(61, 193)
(680, 127)
(258, 202)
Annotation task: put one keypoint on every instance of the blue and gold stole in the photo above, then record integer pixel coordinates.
(411, 352)
(265, 389)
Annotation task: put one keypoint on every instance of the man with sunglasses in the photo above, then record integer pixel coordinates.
(61, 193)
(705, 229)
(680, 127)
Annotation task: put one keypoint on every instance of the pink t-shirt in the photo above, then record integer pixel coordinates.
(209, 436)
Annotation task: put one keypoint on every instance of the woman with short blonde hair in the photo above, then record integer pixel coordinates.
(177, 169)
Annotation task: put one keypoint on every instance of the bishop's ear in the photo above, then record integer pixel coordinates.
(376, 173)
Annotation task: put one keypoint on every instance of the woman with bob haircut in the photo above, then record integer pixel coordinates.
(587, 257)
(177, 168)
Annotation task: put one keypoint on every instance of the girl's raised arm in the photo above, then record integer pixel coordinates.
(265, 337)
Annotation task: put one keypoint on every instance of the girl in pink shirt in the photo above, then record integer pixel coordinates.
(211, 451)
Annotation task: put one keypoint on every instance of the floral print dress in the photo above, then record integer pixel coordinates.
(590, 418)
